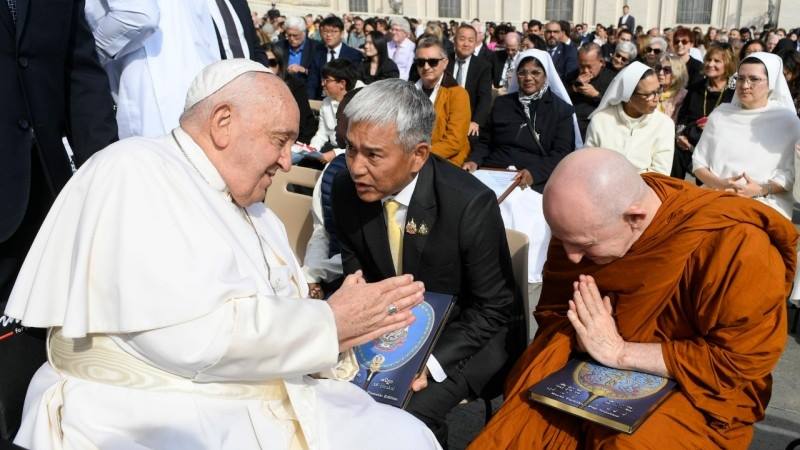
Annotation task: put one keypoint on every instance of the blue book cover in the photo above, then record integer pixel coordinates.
(389, 364)
(619, 399)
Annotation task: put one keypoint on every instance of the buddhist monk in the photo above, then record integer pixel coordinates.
(650, 273)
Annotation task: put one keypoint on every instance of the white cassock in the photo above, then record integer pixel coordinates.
(179, 320)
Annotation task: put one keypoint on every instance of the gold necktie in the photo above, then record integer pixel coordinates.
(395, 233)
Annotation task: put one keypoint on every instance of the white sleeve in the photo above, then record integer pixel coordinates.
(323, 132)
(317, 266)
(125, 26)
(704, 152)
(664, 148)
(246, 339)
(591, 139)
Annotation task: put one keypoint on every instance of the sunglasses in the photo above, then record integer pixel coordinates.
(623, 58)
(432, 62)
(681, 41)
(656, 51)
(667, 70)
(272, 62)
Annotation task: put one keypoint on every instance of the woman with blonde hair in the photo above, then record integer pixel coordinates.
(672, 76)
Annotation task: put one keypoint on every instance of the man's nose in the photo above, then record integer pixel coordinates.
(285, 160)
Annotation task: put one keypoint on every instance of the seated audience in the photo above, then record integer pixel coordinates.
(587, 87)
(276, 61)
(407, 211)
(401, 49)
(701, 99)
(299, 53)
(672, 77)
(624, 54)
(505, 60)
(474, 75)
(748, 145)
(628, 121)
(649, 273)
(564, 56)
(683, 42)
(791, 70)
(450, 101)
(338, 77)
(532, 127)
(377, 65)
(333, 48)
(652, 48)
(751, 47)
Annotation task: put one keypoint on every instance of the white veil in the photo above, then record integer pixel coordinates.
(778, 88)
(622, 87)
(553, 81)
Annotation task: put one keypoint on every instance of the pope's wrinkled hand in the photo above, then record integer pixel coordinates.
(363, 311)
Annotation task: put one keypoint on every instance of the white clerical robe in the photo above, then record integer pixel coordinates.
(144, 246)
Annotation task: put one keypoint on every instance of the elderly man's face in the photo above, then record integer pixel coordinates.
(257, 149)
(398, 34)
(295, 37)
(590, 63)
(512, 44)
(378, 164)
(466, 39)
(601, 244)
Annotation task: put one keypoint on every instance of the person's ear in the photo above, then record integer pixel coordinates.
(635, 216)
(419, 155)
(220, 126)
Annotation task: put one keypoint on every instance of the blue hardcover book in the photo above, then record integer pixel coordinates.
(619, 399)
(389, 364)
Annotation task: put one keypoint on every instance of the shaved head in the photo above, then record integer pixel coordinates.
(596, 197)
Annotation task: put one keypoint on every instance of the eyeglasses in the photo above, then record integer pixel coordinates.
(530, 73)
(623, 58)
(328, 80)
(681, 41)
(272, 62)
(656, 51)
(546, 31)
(329, 31)
(667, 70)
(649, 95)
(432, 62)
(752, 81)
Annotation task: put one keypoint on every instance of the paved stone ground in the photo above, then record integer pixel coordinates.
(780, 427)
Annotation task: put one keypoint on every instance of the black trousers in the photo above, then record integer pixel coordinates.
(432, 404)
(21, 354)
(681, 163)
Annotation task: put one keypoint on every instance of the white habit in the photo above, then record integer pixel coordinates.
(206, 341)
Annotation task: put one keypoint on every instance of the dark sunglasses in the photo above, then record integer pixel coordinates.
(272, 62)
(623, 58)
(656, 51)
(681, 41)
(433, 62)
(667, 70)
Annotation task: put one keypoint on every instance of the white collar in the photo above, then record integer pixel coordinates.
(477, 49)
(466, 60)
(404, 196)
(435, 92)
(336, 49)
(197, 158)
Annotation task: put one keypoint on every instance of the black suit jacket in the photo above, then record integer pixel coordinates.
(320, 57)
(630, 23)
(465, 254)
(51, 85)
(507, 139)
(310, 47)
(387, 69)
(565, 59)
(479, 87)
(584, 106)
(488, 57)
(500, 61)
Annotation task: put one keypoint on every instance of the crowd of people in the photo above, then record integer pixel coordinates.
(154, 300)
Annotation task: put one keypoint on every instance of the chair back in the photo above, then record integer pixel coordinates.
(518, 247)
(289, 197)
(315, 106)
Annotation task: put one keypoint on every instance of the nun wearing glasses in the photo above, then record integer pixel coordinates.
(747, 145)
(532, 127)
(628, 121)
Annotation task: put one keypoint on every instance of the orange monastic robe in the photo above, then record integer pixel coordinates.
(708, 279)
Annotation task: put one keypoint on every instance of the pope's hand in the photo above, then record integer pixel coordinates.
(363, 311)
(590, 315)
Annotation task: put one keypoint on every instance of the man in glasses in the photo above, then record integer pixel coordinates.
(589, 84)
(298, 51)
(682, 43)
(565, 57)
(331, 30)
(450, 102)
(400, 48)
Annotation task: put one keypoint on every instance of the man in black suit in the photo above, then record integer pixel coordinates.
(299, 52)
(587, 86)
(627, 19)
(474, 75)
(481, 51)
(51, 85)
(505, 60)
(565, 57)
(331, 30)
(399, 209)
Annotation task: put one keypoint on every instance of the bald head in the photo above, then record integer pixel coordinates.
(596, 194)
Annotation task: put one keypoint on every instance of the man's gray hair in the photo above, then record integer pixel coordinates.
(295, 22)
(402, 23)
(628, 48)
(590, 47)
(659, 40)
(394, 102)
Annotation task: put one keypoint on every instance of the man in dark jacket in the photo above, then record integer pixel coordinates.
(588, 85)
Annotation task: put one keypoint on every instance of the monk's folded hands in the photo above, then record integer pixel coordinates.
(591, 316)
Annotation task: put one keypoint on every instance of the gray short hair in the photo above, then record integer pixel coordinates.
(398, 102)
(295, 22)
(629, 48)
(402, 23)
(659, 40)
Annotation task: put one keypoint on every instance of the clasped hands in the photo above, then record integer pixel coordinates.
(592, 317)
(734, 185)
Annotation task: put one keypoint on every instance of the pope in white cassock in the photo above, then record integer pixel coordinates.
(177, 313)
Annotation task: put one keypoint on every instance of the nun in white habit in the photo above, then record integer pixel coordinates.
(747, 145)
(628, 121)
(178, 316)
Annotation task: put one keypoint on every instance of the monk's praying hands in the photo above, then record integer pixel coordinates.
(591, 316)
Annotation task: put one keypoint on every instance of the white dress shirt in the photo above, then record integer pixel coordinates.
(404, 199)
(336, 51)
(464, 68)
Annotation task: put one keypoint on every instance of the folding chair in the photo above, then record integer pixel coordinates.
(289, 197)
